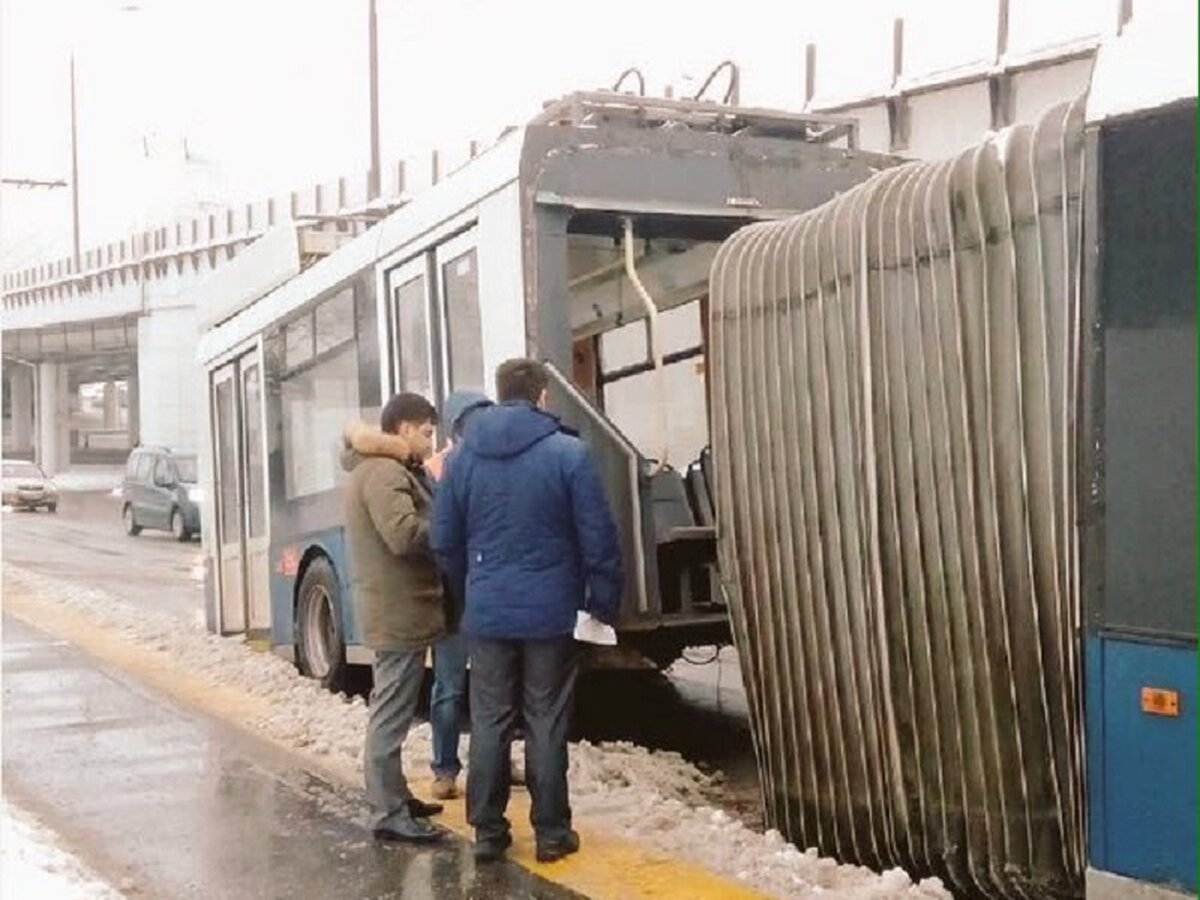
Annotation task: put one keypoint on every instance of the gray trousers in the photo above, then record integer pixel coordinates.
(536, 677)
(398, 675)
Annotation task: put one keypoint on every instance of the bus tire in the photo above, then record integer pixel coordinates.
(320, 646)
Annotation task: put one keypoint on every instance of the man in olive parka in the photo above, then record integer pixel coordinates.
(397, 595)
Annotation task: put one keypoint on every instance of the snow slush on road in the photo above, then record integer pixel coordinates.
(655, 798)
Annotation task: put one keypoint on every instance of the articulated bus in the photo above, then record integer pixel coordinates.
(583, 239)
(944, 412)
(955, 464)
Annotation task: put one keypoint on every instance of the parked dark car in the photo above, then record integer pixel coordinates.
(160, 491)
(26, 486)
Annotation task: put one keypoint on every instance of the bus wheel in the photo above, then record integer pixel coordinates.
(320, 649)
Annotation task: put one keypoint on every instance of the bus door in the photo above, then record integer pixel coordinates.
(437, 331)
(460, 324)
(241, 497)
(412, 337)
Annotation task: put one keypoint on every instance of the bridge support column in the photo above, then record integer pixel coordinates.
(20, 398)
(53, 418)
(133, 411)
(112, 409)
(168, 379)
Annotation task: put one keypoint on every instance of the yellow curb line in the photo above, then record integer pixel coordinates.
(607, 867)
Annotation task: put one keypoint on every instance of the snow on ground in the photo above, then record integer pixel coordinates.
(89, 478)
(34, 864)
(655, 798)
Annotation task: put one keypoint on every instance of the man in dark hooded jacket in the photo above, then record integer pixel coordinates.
(522, 529)
(449, 695)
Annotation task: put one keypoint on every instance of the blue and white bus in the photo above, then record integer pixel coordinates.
(583, 239)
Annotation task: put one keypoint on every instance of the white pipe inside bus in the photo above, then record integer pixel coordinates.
(655, 344)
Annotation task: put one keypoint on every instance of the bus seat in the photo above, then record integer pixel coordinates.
(671, 508)
(700, 494)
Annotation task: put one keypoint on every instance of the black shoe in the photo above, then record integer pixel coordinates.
(492, 849)
(417, 831)
(419, 809)
(552, 851)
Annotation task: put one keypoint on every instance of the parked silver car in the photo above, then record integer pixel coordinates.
(26, 486)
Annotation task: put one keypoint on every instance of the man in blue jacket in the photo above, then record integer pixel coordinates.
(522, 529)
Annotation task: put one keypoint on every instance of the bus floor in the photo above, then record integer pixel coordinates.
(169, 802)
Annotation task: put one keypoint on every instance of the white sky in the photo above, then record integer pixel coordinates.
(272, 94)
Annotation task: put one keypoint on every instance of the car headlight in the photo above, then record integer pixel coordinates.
(195, 494)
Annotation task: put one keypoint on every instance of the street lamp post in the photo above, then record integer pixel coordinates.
(74, 174)
(373, 185)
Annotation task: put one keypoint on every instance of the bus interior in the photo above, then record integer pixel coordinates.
(638, 317)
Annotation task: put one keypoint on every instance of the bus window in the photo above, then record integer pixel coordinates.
(412, 326)
(318, 401)
(227, 462)
(334, 321)
(252, 408)
(460, 279)
(673, 257)
(626, 346)
(631, 394)
(298, 342)
(366, 330)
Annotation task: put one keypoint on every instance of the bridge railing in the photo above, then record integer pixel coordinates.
(201, 243)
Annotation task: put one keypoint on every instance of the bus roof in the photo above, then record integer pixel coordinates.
(488, 173)
(270, 285)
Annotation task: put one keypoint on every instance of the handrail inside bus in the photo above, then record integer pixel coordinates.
(633, 465)
(660, 378)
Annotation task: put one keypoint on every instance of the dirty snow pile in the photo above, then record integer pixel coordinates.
(654, 798)
(33, 864)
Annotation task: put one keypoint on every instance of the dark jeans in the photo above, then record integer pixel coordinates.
(446, 704)
(537, 678)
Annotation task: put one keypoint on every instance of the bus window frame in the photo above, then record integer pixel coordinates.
(395, 278)
(276, 380)
(443, 254)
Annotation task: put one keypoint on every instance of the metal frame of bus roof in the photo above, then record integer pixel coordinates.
(419, 219)
(498, 167)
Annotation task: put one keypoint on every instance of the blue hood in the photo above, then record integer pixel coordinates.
(458, 406)
(507, 430)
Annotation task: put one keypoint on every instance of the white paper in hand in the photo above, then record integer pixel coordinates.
(591, 630)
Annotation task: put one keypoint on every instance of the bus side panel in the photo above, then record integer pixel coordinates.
(1141, 565)
(1142, 759)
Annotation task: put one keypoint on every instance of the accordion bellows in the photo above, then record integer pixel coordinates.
(895, 393)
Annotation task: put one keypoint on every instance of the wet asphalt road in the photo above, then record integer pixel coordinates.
(166, 802)
(700, 711)
(85, 542)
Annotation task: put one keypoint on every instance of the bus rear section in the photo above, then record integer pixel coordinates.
(963, 582)
(627, 202)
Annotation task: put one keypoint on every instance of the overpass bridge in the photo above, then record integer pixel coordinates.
(98, 353)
